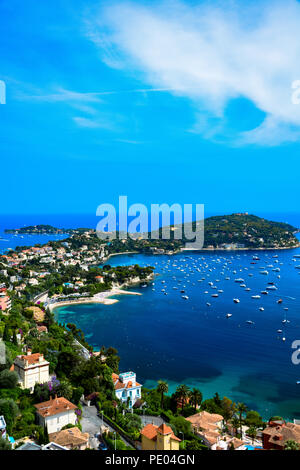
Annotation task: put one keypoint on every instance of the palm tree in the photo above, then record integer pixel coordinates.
(196, 397)
(182, 392)
(252, 432)
(162, 388)
(291, 445)
(241, 408)
(235, 424)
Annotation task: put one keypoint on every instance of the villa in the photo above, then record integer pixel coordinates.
(31, 369)
(56, 413)
(71, 438)
(127, 389)
(209, 426)
(159, 438)
(274, 436)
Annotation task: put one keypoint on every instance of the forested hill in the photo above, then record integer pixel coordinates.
(248, 230)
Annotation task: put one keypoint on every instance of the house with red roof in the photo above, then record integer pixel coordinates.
(56, 413)
(159, 438)
(31, 369)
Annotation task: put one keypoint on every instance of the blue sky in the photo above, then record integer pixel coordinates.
(186, 102)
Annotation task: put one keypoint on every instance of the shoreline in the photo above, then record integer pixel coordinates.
(101, 298)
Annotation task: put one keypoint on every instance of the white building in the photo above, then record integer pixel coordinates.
(2, 427)
(127, 388)
(56, 413)
(31, 369)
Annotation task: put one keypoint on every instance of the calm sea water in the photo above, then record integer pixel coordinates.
(185, 341)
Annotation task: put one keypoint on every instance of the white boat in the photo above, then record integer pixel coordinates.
(236, 301)
(264, 272)
(255, 296)
(261, 309)
(215, 295)
(229, 315)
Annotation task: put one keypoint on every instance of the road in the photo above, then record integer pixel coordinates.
(156, 420)
(91, 423)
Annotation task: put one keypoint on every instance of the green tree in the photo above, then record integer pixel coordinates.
(10, 411)
(291, 445)
(235, 424)
(162, 388)
(228, 409)
(194, 445)
(196, 397)
(8, 379)
(4, 444)
(252, 432)
(241, 409)
(182, 394)
(180, 425)
(253, 418)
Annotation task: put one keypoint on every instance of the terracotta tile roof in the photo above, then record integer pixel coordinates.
(280, 434)
(54, 406)
(69, 437)
(204, 420)
(150, 431)
(164, 429)
(32, 358)
(211, 436)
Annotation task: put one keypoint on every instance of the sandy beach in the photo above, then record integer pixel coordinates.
(101, 298)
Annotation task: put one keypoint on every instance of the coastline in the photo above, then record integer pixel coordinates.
(101, 298)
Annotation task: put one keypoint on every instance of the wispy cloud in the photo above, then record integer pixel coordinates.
(93, 123)
(211, 55)
(61, 95)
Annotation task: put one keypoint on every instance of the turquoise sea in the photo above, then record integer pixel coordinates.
(186, 341)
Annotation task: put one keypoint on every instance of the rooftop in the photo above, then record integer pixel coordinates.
(54, 406)
(69, 437)
(150, 431)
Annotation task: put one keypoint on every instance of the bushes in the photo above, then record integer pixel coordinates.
(10, 411)
(181, 425)
(8, 379)
(116, 443)
(4, 444)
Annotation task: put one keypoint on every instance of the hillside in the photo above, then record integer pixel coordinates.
(250, 231)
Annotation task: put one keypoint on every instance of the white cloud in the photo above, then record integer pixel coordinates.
(212, 54)
(93, 123)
